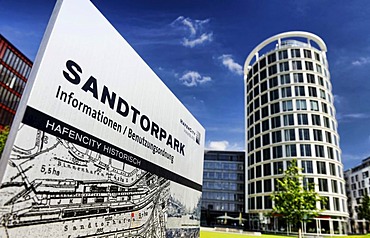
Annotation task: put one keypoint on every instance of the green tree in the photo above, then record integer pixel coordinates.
(3, 136)
(293, 201)
(364, 208)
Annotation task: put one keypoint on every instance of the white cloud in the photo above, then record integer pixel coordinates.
(196, 29)
(338, 99)
(218, 145)
(350, 117)
(193, 78)
(187, 22)
(356, 115)
(198, 41)
(361, 61)
(229, 63)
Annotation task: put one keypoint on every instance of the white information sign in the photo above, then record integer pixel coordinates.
(104, 148)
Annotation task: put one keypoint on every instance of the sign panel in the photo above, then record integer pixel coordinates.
(104, 148)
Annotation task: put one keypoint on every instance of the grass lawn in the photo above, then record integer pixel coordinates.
(210, 234)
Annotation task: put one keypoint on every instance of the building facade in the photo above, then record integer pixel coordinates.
(223, 188)
(357, 186)
(290, 114)
(15, 68)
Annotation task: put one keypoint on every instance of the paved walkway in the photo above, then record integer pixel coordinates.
(230, 230)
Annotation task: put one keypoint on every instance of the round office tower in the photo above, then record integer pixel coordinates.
(289, 114)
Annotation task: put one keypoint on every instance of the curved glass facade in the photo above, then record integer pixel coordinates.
(290, 114)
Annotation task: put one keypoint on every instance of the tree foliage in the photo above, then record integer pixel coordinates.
(293, 201)
(364, 208)
(3, 136)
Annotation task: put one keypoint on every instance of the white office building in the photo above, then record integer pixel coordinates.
(289, 113)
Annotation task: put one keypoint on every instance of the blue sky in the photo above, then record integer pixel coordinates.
(198, 49)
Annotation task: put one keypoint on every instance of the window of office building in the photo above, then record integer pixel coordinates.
(307, 54)
(277, 152)
(289, 134)
(287, 105)
(265, 125)
(259, 202)
(322, 94)
(286, 92)
(285, 79)
(311, 78)
(257, 129)
(304, 134)
(316, 120)
(284, 66)
(323, 185)
(272, 70)
(336, 204)
(299, 91)
(258, 156)
(278, 167)
(273, 82)
(266, 154)
(305, 150)
(265, 111)
(318, 68)
(301, 104)
(275, 122)
(326, 122)
(288, 120)
(274, 94)
(298, 77)
(330, 152)
(274, 108)
(297, 65)
(262, 63)
(256, 103)
(257, 115)
(263, 74)
(256, 90)
(309, 65)
(312, 91)
(324, 107)
(267, 169)
(271, 58)
(314, 105)
(302, 119)
(321, 167)
(290, 150)
(268, 202)
(334, 186)
(251, 203)
(258, 171)
(267, 185)
(317, 135)
(295, 53)
(266, 139)
(307, 166)
(264, 99)
(257, 142)
(325, 203)
(283, 54)
(332, 169)
(276, 136)
(319, 151)
(263, 86)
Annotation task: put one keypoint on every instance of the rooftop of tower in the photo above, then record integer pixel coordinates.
(289, 42)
